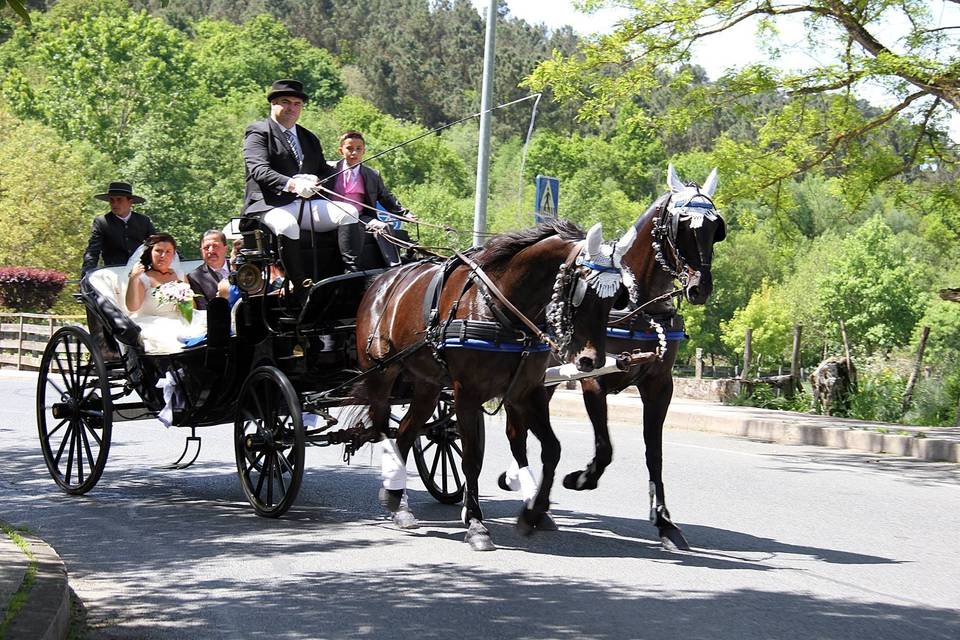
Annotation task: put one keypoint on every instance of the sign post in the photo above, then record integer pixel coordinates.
(547, 199)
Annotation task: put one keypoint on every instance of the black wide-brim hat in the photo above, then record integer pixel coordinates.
(287, 88)
(119, 189)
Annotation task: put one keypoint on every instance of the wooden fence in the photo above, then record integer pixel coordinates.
(24, 336)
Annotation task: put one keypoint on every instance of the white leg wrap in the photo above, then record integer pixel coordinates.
(528, 485)
(513, 476)
(392, 469)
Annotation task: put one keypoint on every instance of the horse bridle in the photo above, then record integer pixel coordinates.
(665, 228)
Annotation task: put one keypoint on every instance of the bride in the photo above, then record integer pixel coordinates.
(163, 327)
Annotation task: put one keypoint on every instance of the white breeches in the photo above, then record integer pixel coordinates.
(324, 214)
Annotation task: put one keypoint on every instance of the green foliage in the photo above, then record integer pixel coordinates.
(248, 57)
(95, 71)
(879, 395)
(47, 195)
(767, 317)
(765, 397)
(818, 121)
(935, 400)
(874, 287)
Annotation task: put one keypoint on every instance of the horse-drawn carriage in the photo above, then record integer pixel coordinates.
(274, 372)
(441, 337)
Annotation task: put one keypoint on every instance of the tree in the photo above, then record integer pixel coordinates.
(874, 286)
(47, 195)
(96, 70)
(822, 120)
(767, 316)
(260, 51)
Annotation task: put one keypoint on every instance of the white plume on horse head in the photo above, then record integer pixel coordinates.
(623, 244)
(594, 241)
(710, 185)
(676, 185)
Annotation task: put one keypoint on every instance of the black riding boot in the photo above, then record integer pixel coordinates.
(293, 267)
(350, 241)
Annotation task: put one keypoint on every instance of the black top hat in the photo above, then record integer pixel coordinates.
(119, 189)
(287, 88)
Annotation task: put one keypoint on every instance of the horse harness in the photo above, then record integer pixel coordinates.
(503, 334)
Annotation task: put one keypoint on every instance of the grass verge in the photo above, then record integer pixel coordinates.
(19, 599)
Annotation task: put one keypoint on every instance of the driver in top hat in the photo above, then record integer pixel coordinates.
(116, 235)
(283, 161)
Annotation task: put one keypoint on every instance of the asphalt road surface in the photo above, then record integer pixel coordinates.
(789, 542)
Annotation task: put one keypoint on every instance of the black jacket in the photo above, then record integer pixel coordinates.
(270, 163)
(114, 240)
(204, 281)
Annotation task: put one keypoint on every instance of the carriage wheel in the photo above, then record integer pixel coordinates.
(438, 455)
(74, 410)
(269, 441)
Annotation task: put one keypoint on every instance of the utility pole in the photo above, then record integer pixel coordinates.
(483, 154)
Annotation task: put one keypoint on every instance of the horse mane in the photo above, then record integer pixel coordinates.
(652, 210)
(504, 246)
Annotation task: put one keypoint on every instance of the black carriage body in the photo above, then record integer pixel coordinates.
(261, 366)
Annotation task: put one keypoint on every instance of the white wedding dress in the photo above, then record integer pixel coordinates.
(162, 328)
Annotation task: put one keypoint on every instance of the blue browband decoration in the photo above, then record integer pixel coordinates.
(596, 267)
(672, 336)
(699, 205)
(487, 345)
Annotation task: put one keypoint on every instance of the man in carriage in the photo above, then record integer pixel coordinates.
(287, 175)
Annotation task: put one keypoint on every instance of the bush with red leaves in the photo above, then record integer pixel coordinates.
(26, 289)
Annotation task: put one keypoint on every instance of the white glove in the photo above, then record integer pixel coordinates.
(377, 226)
(305, 185)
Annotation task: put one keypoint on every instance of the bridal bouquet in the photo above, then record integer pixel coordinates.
(179, 294)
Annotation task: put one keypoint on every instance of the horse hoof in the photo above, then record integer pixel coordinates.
(502, 481)
(673, 540)
(391, 499)
(404, 519)
(547, 523)
(526, 522)
(478, 537)
(579, 481)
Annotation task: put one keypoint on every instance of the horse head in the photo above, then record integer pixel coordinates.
(584, 295)
(689, 226)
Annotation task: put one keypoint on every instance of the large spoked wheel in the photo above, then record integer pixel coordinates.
(269, 441)
(74, 410)
(438, 454)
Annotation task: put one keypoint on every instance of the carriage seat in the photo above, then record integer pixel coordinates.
(104, 291)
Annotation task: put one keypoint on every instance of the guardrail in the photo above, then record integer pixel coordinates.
(24, 336)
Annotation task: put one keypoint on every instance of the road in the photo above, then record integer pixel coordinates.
(788, 542)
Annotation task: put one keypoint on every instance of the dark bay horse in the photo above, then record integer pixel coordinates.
(675, 239)
(399, 332)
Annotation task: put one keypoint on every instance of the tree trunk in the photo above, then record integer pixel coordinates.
(908, 394)
(747, 339)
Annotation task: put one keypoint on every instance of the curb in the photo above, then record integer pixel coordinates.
(773, 426)
(46, 613)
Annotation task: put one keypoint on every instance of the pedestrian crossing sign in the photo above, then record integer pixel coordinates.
(547, 199)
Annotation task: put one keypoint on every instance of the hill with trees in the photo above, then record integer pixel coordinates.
(836, 209)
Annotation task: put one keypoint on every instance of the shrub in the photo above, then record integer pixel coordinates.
(28, 289)
(765, 397)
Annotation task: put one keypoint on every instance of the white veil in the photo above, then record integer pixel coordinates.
(135, 258)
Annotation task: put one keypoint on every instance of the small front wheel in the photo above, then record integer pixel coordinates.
(269, 441)
(74, 410)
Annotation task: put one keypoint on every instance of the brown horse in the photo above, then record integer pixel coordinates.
(675, 239)
(399, 332)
